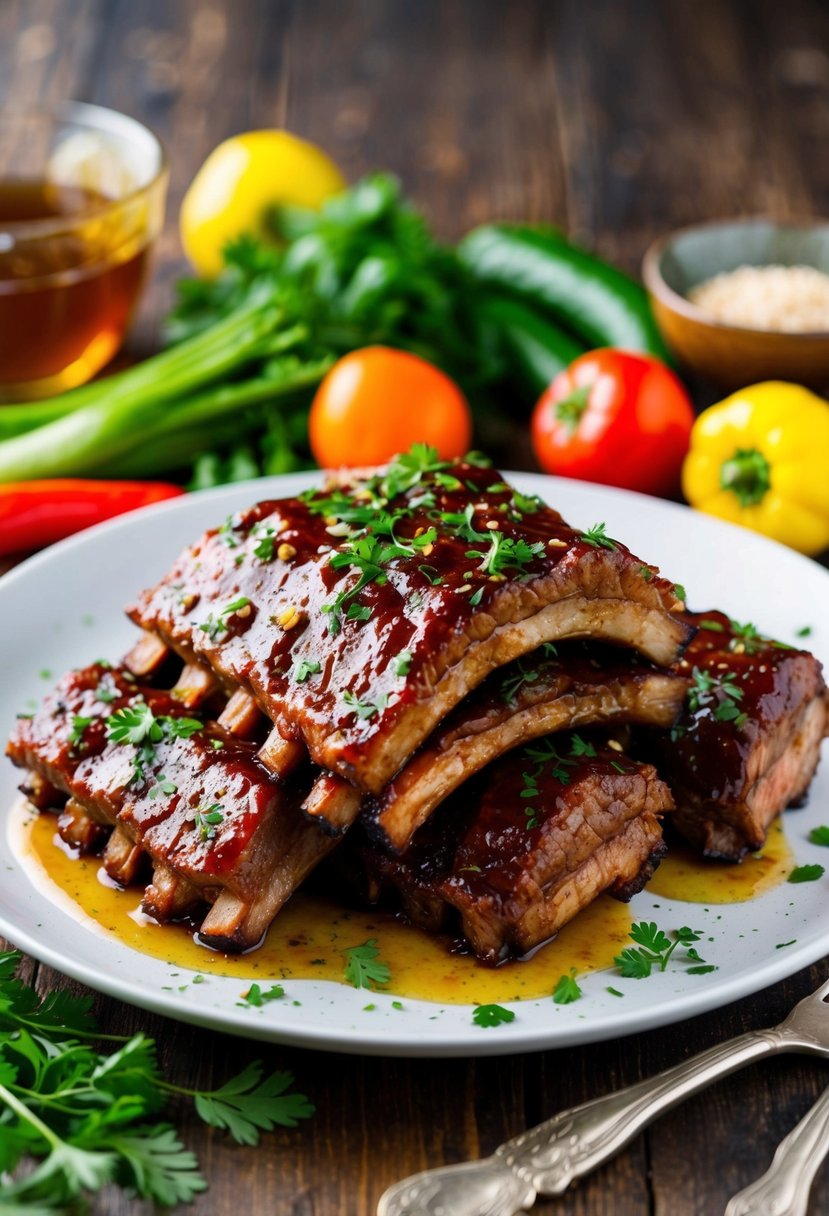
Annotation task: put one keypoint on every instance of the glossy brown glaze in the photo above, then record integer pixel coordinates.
(565, 687)
(182, 777)
(747, 744)
(438, 607)
(540, 835)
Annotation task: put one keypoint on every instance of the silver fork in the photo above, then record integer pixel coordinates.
(784, 1188)
(547, 1158)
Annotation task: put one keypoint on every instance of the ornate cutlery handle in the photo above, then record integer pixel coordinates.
(784, 1188)
(549, 1157)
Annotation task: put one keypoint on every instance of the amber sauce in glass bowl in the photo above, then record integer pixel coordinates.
(75, 240)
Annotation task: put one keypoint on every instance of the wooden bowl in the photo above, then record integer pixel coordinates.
(732, 356)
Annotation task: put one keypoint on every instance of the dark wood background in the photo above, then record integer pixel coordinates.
(618, 120)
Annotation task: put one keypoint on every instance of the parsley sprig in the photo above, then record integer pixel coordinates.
(364, 968)
(718, 693)
(136, 724)
(654, 950)
(487, 1016)
(88, 1119)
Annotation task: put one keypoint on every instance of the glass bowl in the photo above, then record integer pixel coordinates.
(82, 192)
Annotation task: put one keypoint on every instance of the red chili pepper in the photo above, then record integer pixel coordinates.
(37, 513)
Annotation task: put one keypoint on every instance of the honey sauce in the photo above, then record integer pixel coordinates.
(309, 938)
(65, 297)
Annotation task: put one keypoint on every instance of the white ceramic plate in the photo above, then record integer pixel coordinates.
(64, 608)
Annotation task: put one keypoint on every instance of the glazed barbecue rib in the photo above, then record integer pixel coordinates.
(555, 688)
(358, 616)
(748, 743)
(196, 801)
(513, 869)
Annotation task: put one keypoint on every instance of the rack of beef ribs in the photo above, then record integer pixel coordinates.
(175, 793)
(555, 688)
(358, 616)
(547, 829)
(748, 742)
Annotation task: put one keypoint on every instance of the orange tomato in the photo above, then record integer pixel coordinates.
(377, 401)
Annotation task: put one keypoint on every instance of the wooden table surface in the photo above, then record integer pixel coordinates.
(617, 120)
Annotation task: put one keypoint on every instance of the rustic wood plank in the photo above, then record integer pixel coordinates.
(618, 122)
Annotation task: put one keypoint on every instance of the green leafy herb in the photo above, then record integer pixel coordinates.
(719, 693)
(364, 968)
(655, 950)
(133, 724)
(820, 836)
(206, 821)
(305, 668)
(807, 873)
(365, 709)
(598, 538)
(567, 990)
(581, 747)
(89, 1119)
(163, 787)
(402, 662)
(804, 631)
(79, 725)
(527, 671)
(615, 992)
(492, 1015)
(358, 612)
(247, 1104)
(712, 626)
(680, 593)
(260, 996)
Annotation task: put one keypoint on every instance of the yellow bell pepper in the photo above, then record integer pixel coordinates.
(761, 459)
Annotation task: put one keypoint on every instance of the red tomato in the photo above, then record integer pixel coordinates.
(376, 402)
(617, 418)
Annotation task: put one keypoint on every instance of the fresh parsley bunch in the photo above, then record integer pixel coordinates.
(73, 1120)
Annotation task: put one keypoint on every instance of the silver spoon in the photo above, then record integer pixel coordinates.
(547, 1158)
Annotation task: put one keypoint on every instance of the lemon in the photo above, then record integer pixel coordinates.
(240, 180)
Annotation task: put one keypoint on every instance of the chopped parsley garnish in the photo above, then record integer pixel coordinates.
(820, 836)
(680, 593)
(580, 747)
(257, 996)
(598, 538)
(163, 787)
(567, 990)
(807, 873)
(804, 631)
(402, 662)
(364, 968)
(523, 673)
(235, 605)
(506, 553)
(492, 1015)
(358, 612)
(79, 725)
(646, 572)
(712, 626)
(105, 694)
(747, 639)
(368, 708)
(431, 574)
(226, 532)
(476, 597)
(614, 992)
(137, 725)
(265, 537)
(541, 754)
(305, 668)
(206, 821)
(655, 950)
(719, 693)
